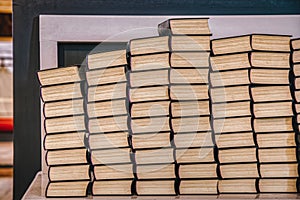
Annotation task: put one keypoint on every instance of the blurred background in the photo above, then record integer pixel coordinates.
(6, 100)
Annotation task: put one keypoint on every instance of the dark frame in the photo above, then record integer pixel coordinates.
(27, 146)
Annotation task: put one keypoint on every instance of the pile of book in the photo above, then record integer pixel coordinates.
(231, 112)
(189, 41)
(273, 113)
(63, 94)
(176, 114)
(269, 124)
(149, 111)
(107, 123)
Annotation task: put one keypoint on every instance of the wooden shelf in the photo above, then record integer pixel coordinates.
(38, 186)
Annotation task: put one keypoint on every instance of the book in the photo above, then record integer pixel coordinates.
(64, 140)
(149, 78)
(244, 170)
(246, 43)
(265, 125)
(155, 187)
(189, 187)
(66, 91)
(155, 171)
(189, 76)
(69, 173)
(106, 76)
(113, 172)
(274, 185)
(277, 155)
(239, 139)
(147, 109)
(232, 125)
(111, 156)
(237, 155)
(237, 186)
(231, 109)
(148, 94)
(226, 62)
(65, 124)
(193, 139)
(108, 124)
(67, 189)
(190, 124)
(230, 94)
(67, 156)
(190, 108)
(107, 92)
(267, 94)
(151, 140)
(187, 171)
(154, 156)
(189, 26)
(108, 140)
(150, 125)
(112, 187)
(229, 78)
(195, 59)
(283, 109)
(106, 59)
(281, 139)
(62, 75)
(64, 108)
(195, 155)
(189, 92)
(282, 170)
(107, 108)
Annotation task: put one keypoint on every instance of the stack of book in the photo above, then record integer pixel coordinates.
(149, 110)
(231, 112)
(273, 113)
(189, 112)
(271, 107)
(67, 157)
(107, 123)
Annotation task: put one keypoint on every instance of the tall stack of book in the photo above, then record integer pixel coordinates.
(273, 113)
(295, 65)
(271, 107)
(149, 111)
(189, 112)
(67, 157)
(107, 123)
(231, 112)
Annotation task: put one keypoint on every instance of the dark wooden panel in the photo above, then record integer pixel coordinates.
(27, 156)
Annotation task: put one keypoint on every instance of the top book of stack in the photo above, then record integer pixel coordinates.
(191, 26)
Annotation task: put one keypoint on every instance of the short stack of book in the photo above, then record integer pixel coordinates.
(189, 112)
(231, 112)
(149, 111)
(62, 92)
(107, 123)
